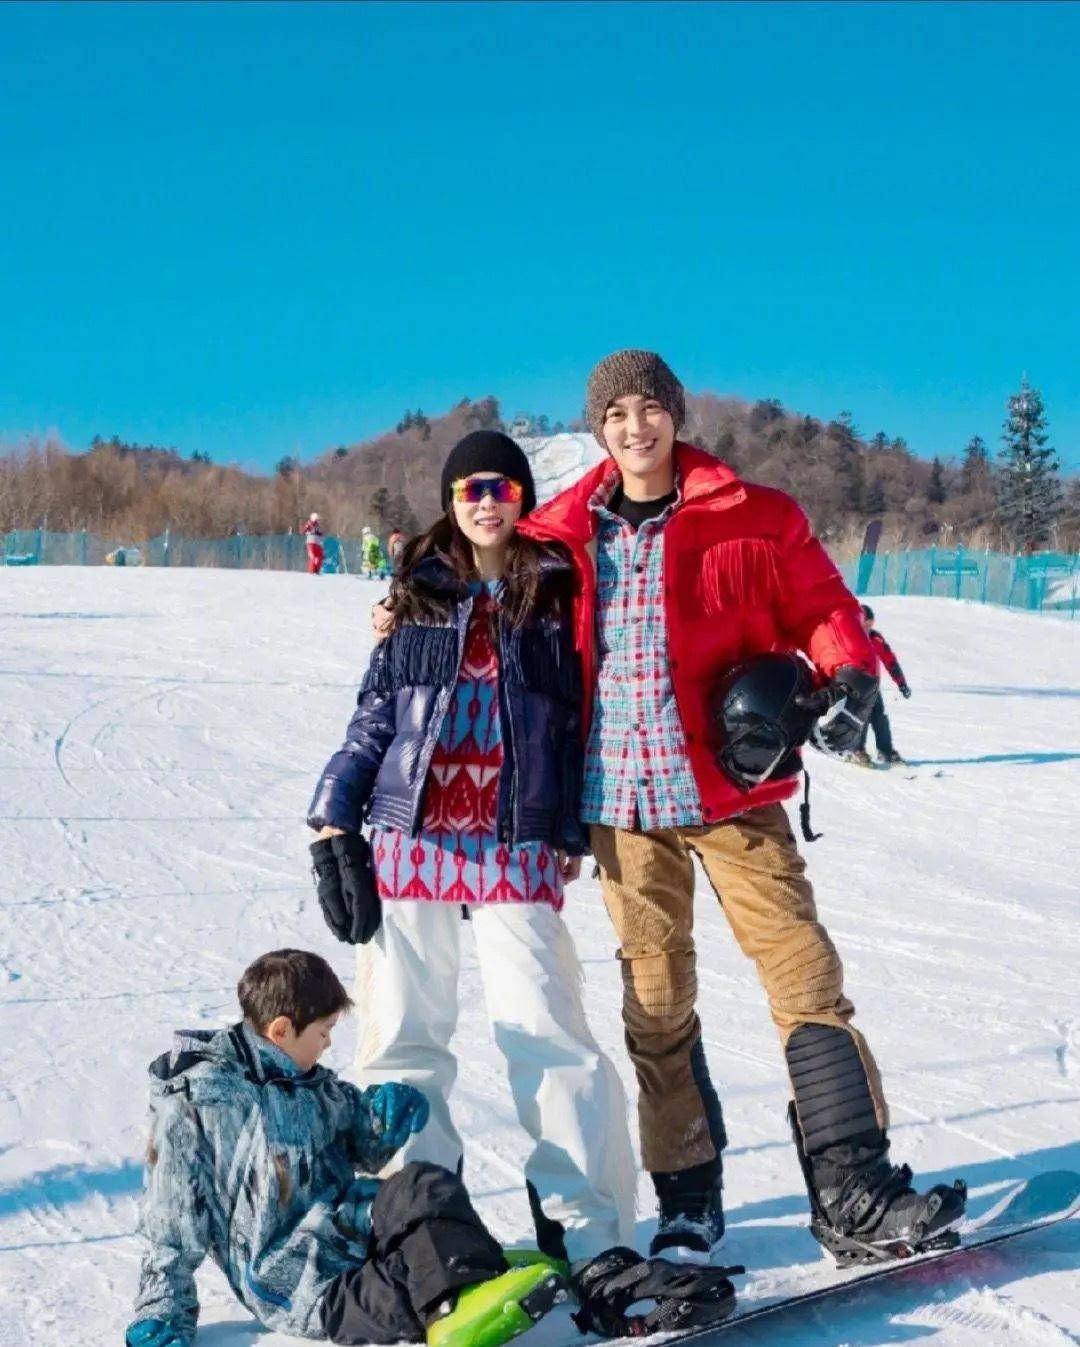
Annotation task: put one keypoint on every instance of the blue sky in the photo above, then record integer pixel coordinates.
(266, 229)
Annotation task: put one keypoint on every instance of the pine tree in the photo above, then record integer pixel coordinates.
(876, 503)
(975, 468)
(843, 430)
(935, 487)
(1029, 494)
(380, 505)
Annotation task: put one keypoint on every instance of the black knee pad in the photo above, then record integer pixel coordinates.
(832, 1093)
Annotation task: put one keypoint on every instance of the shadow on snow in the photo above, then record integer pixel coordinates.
(1031, 759)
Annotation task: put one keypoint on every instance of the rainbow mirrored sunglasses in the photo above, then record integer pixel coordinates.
(472, 490)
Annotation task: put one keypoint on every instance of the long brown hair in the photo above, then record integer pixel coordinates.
(531, 588)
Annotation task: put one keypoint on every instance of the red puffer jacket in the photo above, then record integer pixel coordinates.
(743, 575)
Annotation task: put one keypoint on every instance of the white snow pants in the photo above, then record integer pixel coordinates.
(568, 1095)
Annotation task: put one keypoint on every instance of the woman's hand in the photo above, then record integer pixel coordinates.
(569, 866)
(346, 886)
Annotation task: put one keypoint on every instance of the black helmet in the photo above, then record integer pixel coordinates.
(756, 720)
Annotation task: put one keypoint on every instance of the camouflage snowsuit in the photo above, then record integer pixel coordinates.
(254, 1163)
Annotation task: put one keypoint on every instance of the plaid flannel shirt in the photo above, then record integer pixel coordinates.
(637, 773)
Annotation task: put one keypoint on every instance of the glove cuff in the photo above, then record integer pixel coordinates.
(351, 848)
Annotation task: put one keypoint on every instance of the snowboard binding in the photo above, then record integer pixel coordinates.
(687, 1296)
(493, 1312)
(849, 1250)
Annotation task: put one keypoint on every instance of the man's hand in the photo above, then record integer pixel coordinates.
(844, 707)
(905, 691)
(569, 866)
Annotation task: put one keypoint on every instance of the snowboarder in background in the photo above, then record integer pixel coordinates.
(395, 545)
(372, 557)
(685, 570)
(313, 537)
(253, 1159)
(879, 720)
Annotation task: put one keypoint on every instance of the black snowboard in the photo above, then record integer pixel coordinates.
(1041, 1201)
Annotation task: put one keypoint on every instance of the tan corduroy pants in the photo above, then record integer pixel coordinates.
(755, 869)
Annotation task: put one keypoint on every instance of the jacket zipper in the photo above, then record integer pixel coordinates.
(508, 829)
(442, 703)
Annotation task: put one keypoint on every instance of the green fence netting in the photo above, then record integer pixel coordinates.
(276, 552)
(1042, 582)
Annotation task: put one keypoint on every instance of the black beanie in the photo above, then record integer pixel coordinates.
(488, 451)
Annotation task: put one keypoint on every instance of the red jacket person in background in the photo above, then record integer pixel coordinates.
(684, 569)
(313, 537)
(879, 720)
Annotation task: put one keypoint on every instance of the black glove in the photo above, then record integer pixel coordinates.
(345, 883)
(905, 691)
(844, 706)
(687, 1295)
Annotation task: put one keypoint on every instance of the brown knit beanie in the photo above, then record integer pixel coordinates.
(641, 372)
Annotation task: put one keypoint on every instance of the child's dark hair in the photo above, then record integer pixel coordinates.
(290, 982)
(867, 611)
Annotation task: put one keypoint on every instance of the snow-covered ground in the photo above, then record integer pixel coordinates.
(160, 732)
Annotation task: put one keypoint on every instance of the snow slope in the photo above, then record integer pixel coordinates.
(160, 732)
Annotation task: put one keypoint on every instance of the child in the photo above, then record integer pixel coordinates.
(465, 753)
(253, 1159)
(879, 721)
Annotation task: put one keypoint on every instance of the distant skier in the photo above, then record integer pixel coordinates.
(253, 1158)
(372, 557)
(879, 720)
(316, 551)
(395, 545)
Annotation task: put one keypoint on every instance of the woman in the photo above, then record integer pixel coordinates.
(465, 755)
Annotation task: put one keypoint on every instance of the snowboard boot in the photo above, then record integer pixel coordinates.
(864, 1210)
(858, 757)
(890, 759)
(492, 1312)
(691, 1202)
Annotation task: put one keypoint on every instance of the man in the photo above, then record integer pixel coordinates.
(879, 718)
(316, 549)
(685, 570)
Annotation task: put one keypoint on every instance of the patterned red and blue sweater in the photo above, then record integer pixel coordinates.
(458, 857)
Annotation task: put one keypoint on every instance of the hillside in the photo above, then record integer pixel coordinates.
(133, 492)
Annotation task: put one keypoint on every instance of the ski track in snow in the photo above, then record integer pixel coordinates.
(154, 771)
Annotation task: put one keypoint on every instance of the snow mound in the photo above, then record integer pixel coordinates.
(559, 460)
